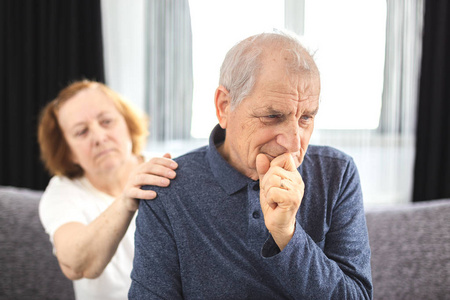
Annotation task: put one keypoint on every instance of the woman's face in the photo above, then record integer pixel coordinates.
(95, 131)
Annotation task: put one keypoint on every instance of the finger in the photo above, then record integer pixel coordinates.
(262, 165)
(156, 169)
(289, 185)
(274, 175)
(284, 185)
(277, 184)
(293, 176)
(285, 199)
(270, 202)
(167, 155)
(271, 180)
(163, 161)
(138, 193)
(285, 161)
(150, 179)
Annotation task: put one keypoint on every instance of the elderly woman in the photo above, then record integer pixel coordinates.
(91, 141)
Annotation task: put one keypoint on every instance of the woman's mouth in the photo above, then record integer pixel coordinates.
(103, 153)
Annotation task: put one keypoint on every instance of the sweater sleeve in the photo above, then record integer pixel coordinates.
(156, 271)
(337, 267)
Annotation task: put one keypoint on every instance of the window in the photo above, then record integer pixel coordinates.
(216, 27)
(347, 36)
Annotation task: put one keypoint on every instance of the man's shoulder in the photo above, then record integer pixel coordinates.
(196, 154)
(326, 159)
(316, 152)
(193, 161)
(192, 167)
(325, 169)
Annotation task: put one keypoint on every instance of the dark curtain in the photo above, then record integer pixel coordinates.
(45, 44)
(432, 165)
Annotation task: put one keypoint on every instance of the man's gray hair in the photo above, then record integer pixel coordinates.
(243, 62)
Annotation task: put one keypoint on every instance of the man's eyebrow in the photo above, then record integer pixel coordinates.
(273, 110)
(313, 112)
(268, 110)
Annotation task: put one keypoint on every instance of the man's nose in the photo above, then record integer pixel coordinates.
(289, 138)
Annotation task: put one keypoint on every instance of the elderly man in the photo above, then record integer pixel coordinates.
(257, 214)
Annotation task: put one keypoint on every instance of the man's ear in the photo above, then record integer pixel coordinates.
(223, 105)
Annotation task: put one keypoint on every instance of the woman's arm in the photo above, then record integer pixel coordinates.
(84, 251)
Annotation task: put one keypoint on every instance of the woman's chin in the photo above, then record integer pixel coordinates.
(109, 166)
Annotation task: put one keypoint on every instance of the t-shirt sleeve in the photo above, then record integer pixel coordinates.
(60, 204)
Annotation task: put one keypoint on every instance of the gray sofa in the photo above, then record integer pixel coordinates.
(410, 250)
(28, 269)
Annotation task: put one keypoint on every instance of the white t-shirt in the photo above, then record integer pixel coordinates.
(66, 200)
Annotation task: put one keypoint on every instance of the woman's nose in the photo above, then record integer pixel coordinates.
(98, 134)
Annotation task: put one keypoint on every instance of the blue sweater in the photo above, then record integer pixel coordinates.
(204, 237)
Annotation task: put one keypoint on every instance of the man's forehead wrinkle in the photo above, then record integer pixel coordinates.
(289, 94)
(277, 87)
(300, 105)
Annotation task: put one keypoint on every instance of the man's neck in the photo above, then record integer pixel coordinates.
(235, 162)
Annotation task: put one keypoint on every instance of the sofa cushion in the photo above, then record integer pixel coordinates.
(29, 270)
(411, 250)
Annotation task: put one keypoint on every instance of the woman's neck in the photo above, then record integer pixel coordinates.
(113, 182)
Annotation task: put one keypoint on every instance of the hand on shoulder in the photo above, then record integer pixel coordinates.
(157, 171)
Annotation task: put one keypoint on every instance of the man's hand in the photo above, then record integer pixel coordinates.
(281, 192)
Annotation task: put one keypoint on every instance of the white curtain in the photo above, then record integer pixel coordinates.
(148, 59)
(169, 79)
(402, 66)
(123, 27)
(385, 156)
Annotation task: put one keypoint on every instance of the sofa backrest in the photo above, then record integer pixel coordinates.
(410, 250)
(28, 268)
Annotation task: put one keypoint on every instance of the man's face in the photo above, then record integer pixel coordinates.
(278, 117)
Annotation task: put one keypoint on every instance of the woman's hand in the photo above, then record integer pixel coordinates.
(157, 171)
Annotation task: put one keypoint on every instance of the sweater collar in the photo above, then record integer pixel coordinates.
(228, 177)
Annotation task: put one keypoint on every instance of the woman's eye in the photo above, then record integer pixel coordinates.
(106, 121)
(81, 132)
